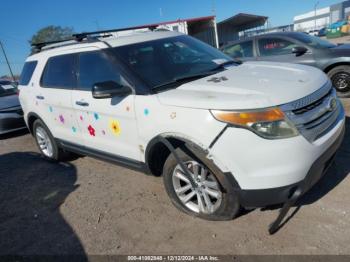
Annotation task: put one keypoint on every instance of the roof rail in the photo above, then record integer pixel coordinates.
(79, 37)
(83, 35)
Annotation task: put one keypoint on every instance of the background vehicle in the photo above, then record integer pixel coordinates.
(313, 32)
(294, 47)
(168, 104)
(11, 114)
(322, 32)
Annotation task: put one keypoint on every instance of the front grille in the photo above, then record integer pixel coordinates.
(315, 115)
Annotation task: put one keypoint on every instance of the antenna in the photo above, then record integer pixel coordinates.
(160, 12)
(7, 61)
(213, 7)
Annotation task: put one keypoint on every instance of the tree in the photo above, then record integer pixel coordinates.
(52, 33)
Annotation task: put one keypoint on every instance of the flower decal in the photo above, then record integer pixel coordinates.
(91, 130)
(114, 126)
(96, 116)
(50, 109)
(81, 118)
(146, 111)
(61, 119)
(74, 129)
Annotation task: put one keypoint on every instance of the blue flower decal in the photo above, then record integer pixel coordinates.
(146, 112)
(96, 116)
(50, 109)
(74, 129)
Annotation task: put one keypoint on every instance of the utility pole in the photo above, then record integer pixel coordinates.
(317, 3)
(7, 61)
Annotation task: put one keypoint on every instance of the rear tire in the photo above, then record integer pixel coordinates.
(47, 144)
(340, 77)
(214, 188)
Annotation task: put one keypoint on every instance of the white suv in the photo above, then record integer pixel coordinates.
(222, 135)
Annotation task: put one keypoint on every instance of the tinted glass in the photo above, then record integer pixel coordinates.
(27, 72)
(313, 41)
(160, 61)
(60, 72)
(275, 46)
(95, 67)
(240, 50)
(7, 88)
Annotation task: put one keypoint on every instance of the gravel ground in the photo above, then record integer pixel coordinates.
(92, 207)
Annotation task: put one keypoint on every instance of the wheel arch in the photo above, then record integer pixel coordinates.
(334, 65)
(31, 117)
(157, 152)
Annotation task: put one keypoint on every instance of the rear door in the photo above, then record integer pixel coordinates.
(279, 49)
(242, 51)
(54, 96)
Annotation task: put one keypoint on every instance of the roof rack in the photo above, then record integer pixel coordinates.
(79, 37)
(83, 35)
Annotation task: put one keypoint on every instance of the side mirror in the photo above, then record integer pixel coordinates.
(108, 89)
(299, 50)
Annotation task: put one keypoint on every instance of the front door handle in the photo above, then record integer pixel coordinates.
(81, 103)
(40, 97)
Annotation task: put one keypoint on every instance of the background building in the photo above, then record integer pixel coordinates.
(323, 17)
(205, 28)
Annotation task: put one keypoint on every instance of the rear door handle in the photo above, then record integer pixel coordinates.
(81, 103)
(40, 97)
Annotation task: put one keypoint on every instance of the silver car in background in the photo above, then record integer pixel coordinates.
(11, 114)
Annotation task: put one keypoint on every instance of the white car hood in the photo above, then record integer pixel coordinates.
(248, 86)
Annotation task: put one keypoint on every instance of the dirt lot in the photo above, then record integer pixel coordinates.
(92, 207)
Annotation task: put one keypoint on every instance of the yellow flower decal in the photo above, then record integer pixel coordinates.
(114, 126)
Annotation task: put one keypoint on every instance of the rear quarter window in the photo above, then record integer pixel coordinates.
(27, 72)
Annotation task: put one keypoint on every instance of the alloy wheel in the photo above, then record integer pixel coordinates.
(44, 141)
(205, 197)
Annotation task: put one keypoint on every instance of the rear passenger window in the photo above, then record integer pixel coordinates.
(240, 50)
(27, 72)
(95, 67)
(60, 72)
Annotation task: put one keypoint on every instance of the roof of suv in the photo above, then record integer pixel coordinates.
(132, 38)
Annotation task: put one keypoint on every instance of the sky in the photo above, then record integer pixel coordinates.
(20, 19)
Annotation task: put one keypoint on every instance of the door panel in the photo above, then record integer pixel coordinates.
(53, 97)
(280, 50)
(109, 124)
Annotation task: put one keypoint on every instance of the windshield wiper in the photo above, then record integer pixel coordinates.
(222, 65)
(180, 80)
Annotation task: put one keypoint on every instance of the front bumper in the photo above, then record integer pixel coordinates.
(265, 197)
(266, 172)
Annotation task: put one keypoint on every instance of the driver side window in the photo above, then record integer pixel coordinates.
(95, 67)
(275, 46)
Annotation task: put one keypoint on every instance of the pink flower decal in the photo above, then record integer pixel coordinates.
(81, 118)
(91, 130)
(61, 119)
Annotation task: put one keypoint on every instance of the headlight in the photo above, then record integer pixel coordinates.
(269, 123)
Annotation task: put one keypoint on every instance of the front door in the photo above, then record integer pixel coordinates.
(107, 125)
(278, 49)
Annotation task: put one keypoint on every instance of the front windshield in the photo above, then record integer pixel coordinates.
(161, 61)
(314, 41)
(7, 89)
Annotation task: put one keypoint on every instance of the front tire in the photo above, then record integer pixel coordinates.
(340, 77)
(214, 197)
